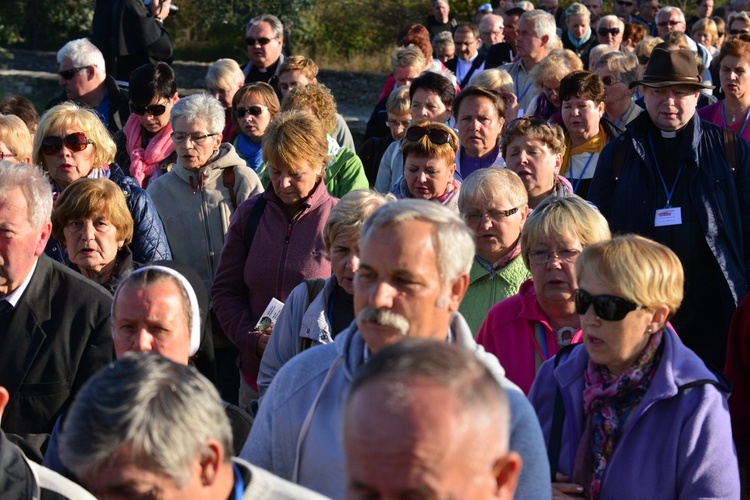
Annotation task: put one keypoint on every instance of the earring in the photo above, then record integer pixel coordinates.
(649, 330)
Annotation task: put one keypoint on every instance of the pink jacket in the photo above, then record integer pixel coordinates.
(511, 332)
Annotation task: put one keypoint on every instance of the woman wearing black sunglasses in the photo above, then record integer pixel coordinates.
(254, 107)
(71, 143)
(633, 413)
(144, 146)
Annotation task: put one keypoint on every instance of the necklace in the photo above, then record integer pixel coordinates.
(740, 112)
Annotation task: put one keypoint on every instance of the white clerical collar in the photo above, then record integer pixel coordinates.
(14, 296)
(668, 134)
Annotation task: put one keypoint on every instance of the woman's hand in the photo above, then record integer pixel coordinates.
(260, 346)
(563, 488)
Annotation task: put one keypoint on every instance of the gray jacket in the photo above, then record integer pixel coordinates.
(262, 485)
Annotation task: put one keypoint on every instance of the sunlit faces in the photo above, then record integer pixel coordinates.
(153, 124)
(82, 81)
(510, 32)
(534, 163)
(92, 243)
(263, 56)
(595, 8)
(289, 80)
(195, 153)
(152, 318)
(734, 74)
(581, 117)
(293, 185)
(441, 10)
(479, 126)
(552, 262)
(704, 8)
(624, 8)
(466, 45)
(617, 91)
(427, 178)
(398, 123)
(428, 105)
(496, 224)
(610, 33)
(224, 91)
(578, 25)
(551, 88)
(68, 166)
(344, 255)
(669, 21)
(704, 38)
(528, 44)
(738, 27)
(648, 10)
(404, 75)
(251, 125)
(670, 108)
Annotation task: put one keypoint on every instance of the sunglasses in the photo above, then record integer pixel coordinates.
(153, 110)
(68, 74)
(607, 307)
(75, 142)
(738, 32)
(609, 80)
(624, 4)
(435, 135)
(720, 34)
(608, 31)
(260, 41)
(664, 24)
(643, 59)
(255, 110)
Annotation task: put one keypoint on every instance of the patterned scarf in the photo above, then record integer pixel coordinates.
(608, 403)
(144, 162)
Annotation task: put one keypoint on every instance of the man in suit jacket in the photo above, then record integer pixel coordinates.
(54, 323)
(468, 61)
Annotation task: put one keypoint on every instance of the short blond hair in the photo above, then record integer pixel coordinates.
(224, 73)
(398, 101)
(488, 184)
(349, 214)
(410, 56)
(636, 268)
(493, 79)
(316, 98)
(293, 136)
(303, 64)
(15, 134)
(69, 115)
(557, 63)
(569, 217)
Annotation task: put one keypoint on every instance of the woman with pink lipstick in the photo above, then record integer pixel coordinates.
(253, 108)
(527, 329)
(317, 310)
(632, 412)
(733, 113)
(533, 148)
(429, 151)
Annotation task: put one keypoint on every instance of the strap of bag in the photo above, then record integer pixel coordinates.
(558, 419)
(254, 220)
(228, 177)
(314, 286)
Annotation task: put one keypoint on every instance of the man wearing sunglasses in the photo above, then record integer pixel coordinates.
(673, 19)
(85, 81)
(624, 9)
(264, 36)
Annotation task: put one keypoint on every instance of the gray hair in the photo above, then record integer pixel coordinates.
(487, 184)
(451, 237)
(544, 23)
(82, 53)
(160, 411)
(200, 106)
(611, 18)
(35, 186)
(478, 392)
(670, 8)
(272, 20)
(625, 65)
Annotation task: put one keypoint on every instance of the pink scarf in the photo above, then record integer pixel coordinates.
(144, 162)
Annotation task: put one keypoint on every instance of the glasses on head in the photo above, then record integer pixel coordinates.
(435, 135)
(738, 32)
(181, 137)
(75, 142)
(474, 218)
(664, 24)
(643, 59)
(610, 80)
(153, 110)
(6, 155)
(608, 31)
(260, 41)
(68, 74)
(607, 307)
(255, 110)
(624, 4)
(534, 121)
(568, 255)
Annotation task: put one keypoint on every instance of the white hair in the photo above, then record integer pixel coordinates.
(544, 23)
(669, 8)
(83, 53)
(35, 186)
(200, 106)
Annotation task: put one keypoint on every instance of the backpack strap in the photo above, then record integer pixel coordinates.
(228, 177)
(558, 418)
(254, 220)
(730, 149)
(314, 286)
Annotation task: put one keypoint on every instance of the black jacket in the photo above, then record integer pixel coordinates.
(497, 55)
(453, 64)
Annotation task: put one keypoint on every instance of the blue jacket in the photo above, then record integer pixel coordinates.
(676, 444)
(317, 382)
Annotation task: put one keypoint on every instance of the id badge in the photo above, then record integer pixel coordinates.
(668, 217)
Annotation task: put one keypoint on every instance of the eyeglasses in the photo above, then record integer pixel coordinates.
(607, 307)
(198, 139)
(643, 59)
(610, 80)
(255, 110)
(493, 32)
(465, 44)
(6, 155)
(474, 218)
(437, 136)
(548, 91)
(75, 142)
(608, 31)
(738, 32)
(534, 121)
(260, 41)
(624, 4)
(398, 123)
(568, 255)
(68, 74)
(153, 110)
(664, 24)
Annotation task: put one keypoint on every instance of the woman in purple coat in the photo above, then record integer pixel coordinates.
(632, 412)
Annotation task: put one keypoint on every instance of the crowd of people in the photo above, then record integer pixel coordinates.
(527, 280)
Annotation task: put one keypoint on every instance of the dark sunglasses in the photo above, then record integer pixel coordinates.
(75, 142)
(738, 32)
(720, 34)
(607, 307)
(609, 80)
(70, 73)
(624, 4)
(435, 135)
(608, 31)
(153, 110)
(256, 110)
(261, 41)
(643, 59)
(664, 24)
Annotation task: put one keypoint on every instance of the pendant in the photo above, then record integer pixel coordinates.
(734, 118)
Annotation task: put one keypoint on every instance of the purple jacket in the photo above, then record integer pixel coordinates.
(283, 254)
(677, 443)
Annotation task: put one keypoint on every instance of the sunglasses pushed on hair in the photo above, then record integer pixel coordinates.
(255, 110)
(75, 142)
(435, 135)
(607, 307)
(153, 110)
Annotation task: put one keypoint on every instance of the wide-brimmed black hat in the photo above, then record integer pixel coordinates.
(671, 67)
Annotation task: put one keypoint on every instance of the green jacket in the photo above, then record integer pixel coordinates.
(488, 288)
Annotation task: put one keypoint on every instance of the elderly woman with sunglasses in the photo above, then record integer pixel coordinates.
(609, 31)
(71, 143)
(528, 328)
(254, 106)
(632, 412)
(144, 146)
(617, 70)
(533, 148)
(429, 150)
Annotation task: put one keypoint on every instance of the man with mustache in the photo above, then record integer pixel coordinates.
(415, 258)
